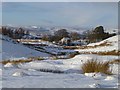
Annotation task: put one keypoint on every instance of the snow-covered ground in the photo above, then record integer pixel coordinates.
(67, 65)
(61, 73)
(39, 42)
(113, 41)
(11, 50)
(29, 75)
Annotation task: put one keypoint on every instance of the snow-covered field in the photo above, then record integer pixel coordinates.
(61, 73)
(28, 75)
(10, 50)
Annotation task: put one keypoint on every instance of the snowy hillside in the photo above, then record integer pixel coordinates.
(109, 44)
(10, 50)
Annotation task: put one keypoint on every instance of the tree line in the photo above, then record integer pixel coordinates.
(62, 33)
(94, 35)
(98, 34)
(13, 33)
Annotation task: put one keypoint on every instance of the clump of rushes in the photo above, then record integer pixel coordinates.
(92, 66)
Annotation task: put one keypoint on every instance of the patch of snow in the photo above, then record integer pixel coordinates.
(95, 85)
(99, 76)
(109, 78)
(19, 73)
(90, 74)
(96, 76)
(8, 65)
(114, 68)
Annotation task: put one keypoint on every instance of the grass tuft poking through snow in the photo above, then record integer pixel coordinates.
(92, 66)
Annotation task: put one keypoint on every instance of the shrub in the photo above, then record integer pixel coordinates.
(113, 52)
(92, 66)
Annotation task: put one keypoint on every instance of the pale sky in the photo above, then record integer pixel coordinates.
(83, 14)
(60, 0)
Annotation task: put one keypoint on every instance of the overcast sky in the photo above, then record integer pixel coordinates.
(90, 14)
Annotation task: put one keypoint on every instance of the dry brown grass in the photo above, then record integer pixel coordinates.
(72, 55)
(92, 66)
(103, 44)
(36, 58)
(15, 61)
(117, 61)
(21, 60)
(114, 52)
(100, 45)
